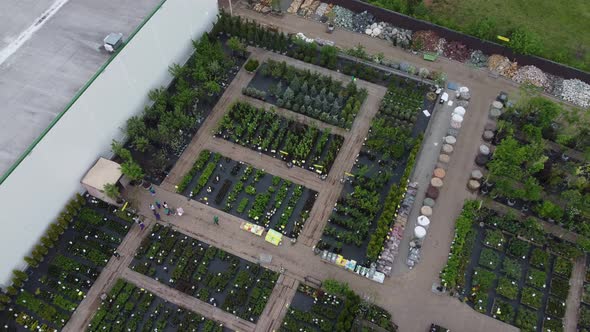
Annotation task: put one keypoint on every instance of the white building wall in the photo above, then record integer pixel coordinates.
(34, 194)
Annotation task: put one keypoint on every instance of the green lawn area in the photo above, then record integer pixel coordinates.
(562, 25)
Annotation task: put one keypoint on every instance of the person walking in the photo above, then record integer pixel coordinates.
(152, 207)
(216, 220)
(141, 226)
(165, 205)
(158, 204)
(158, 218)
(116, 254)
(152, 191)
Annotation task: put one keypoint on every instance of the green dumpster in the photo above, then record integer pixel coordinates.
(428, 56)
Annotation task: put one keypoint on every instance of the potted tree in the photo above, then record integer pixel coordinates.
(133, 171)
(238, 48)
(112, 192)
(331, 16)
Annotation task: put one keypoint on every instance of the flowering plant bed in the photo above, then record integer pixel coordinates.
(271, 134)
(205, 272)
(53, 287)
(359, 224)
(249, 193)
(306, 92)
(128, 308)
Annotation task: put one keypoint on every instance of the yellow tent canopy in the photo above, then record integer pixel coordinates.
(273, 237)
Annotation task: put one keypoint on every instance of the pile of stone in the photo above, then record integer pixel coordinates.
(501, 65)
(323, 9)
(532, 75)
(262, 6)
(397, 36)
(308, 8)
(361, 21)
(555, 86)
(343, 17)
(478, 59)
(576, 92)
(294, 8)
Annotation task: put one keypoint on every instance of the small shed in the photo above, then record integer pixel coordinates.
(103, 172)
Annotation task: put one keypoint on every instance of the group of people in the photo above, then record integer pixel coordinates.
(167, 209)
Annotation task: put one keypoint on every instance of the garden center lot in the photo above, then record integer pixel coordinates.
(563, 26)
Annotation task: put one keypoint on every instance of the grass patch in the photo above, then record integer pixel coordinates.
(564, 39)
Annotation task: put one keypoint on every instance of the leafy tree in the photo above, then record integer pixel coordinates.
(11, 290)
(111, 190)
(31, 261)
(295, 84)
(4, 298)
(47, 242)
(18, 274)
(132, 170)
(212, 88)
(120, 151)
(141, 143)
(524, 41)
(288, 94)
(549, 210)
(485, 28)
(304, 88)
(236, 46)
(177, 71)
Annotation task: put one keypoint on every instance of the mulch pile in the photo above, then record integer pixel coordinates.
(427, 39)
(457, 51)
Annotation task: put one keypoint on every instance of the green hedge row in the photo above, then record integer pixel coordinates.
(451, 273)
(392, 202)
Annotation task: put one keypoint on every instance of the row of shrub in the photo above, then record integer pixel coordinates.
(393, 200)
(452, 273)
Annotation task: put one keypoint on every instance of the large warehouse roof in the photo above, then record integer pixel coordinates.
(48, 50)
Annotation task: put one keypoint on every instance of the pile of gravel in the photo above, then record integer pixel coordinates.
(478, 59)
(343, 17)
(532, 75)
(397, 36)
(347, 19)
(361, 21)
(576, 92)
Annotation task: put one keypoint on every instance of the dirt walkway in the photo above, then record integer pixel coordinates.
(570, 320)
(186, 301)
(318, 216)
(189, 156)
(277, 305)
(407, 296)
(264, 162)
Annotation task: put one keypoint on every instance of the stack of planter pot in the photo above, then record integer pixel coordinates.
(495, 110)
(483, 155)
(395, 235)
(475, 180)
